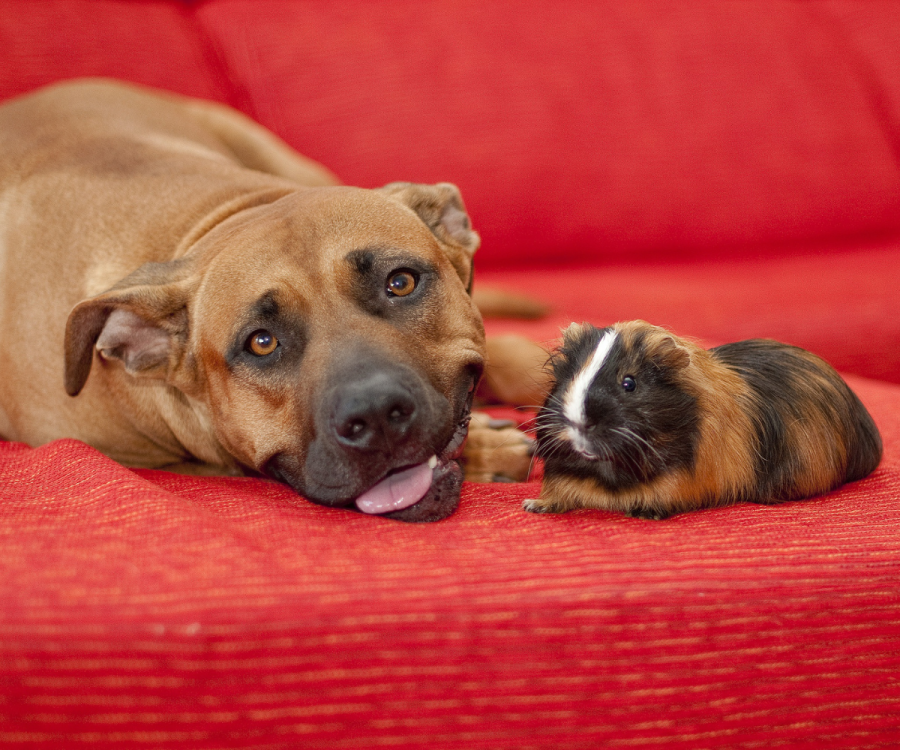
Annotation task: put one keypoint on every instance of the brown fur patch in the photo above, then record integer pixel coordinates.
(724, 457)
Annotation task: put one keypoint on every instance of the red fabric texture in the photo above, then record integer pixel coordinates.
(726, 169)
(151, 42)
(148, 608)
(837, 302)
(588, 130)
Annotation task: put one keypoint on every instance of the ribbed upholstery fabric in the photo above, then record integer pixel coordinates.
(148, 609)
(726, 169)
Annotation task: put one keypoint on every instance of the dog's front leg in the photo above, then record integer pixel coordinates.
(496, 450)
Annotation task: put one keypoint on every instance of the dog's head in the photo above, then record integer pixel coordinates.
(329, 336)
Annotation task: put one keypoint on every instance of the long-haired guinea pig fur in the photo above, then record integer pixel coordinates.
(648, 424)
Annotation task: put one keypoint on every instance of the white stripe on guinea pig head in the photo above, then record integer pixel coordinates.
(573, 401)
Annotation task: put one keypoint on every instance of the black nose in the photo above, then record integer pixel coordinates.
(374, 413)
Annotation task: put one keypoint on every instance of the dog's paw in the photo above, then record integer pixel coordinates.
(496, 451)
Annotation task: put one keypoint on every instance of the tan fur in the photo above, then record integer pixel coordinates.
(516, 371)
(98, 179)
(664, 494)
(493, 443)
(501, 303)
(820, 451)
(724, 462)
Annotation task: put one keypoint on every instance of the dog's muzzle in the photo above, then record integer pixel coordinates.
(386, 444)
(434, 484)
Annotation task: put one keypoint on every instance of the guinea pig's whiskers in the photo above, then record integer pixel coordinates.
(557, 442)
(546, 422)
(580, 442)
(638, 441)
(554, 399)
(548, 450)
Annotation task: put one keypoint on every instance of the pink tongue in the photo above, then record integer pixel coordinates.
(397, 491)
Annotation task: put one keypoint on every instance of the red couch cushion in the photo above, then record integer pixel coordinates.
(153, 42)
(838, 302)
(585, 132)
(589, 130)
(144, 608)
(628, 134)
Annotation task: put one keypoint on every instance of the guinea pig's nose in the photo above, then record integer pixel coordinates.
(375, 413)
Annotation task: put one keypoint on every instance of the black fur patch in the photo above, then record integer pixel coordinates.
(635, 435)
(362, 260)
(373, 266)
(788, 384)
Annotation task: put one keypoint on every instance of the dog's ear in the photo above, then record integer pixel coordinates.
(142, 321)
(441, 208)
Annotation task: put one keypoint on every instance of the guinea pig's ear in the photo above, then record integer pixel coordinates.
(441, 208)
(672, 353)
(141, 321)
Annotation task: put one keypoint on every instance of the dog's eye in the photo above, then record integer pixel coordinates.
(628, 383)
(262, 343)
(400, 283)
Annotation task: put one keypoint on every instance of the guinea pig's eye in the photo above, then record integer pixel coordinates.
(262, 343)
(628, 383)
(400, 283)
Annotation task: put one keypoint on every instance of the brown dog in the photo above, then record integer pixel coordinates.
(211, 300)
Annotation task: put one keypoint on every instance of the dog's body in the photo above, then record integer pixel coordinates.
(226, 305)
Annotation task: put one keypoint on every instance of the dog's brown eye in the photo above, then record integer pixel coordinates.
(262, 343)
(400, 284)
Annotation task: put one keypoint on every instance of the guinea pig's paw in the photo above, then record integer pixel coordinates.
(536, 505)
(642, 511)
(496, 451)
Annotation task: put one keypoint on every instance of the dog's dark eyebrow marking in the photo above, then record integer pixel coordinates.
(367, 259)
(266, 307)
(362, 260)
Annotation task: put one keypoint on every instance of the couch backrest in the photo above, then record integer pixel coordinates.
(578, 130)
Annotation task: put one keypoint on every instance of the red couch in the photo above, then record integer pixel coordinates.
(725, 169)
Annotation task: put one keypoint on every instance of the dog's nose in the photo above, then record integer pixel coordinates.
(375, 413)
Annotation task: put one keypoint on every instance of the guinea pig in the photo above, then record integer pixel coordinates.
(649, 424)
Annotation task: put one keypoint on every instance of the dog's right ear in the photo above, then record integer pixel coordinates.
(142, 321)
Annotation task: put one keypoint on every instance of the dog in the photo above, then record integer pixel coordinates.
(182, 290)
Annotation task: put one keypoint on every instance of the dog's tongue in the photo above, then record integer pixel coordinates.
(397, 491)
